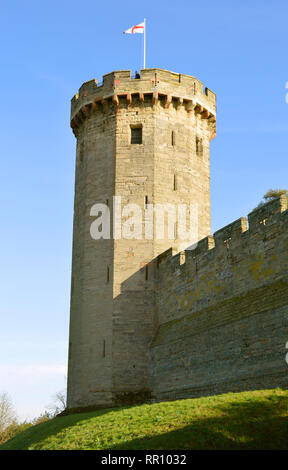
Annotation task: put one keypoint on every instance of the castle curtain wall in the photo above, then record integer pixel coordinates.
(223, 313)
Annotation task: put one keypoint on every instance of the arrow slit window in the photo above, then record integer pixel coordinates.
(199, 146)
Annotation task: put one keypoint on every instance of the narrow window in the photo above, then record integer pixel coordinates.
(146, 202)
(175, 231)
(227, 243)
(104, 348)
(173, 138)
(146, 272)
(81, 152)
(199, 146)
(108, 274)
(136, 135)
(174, 183)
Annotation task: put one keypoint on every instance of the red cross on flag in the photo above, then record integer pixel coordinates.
(139, 28)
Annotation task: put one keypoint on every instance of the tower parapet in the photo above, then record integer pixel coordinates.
(169, 87)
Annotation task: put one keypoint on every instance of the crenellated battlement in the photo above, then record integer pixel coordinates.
(261, 220)
(159, 84)
(247, 252)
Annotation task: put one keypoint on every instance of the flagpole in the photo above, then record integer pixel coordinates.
(144, 43)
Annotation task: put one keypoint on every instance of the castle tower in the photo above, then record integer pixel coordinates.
(144, 140)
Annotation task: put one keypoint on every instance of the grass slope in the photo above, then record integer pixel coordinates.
(248, 420)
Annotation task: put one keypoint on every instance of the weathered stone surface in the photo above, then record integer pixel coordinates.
(147, 323)
(223, 314)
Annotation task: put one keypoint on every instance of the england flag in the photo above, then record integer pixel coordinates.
(139, 28)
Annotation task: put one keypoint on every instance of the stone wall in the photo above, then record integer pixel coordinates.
(90, 343)
(223, 310)
(113, 322)
(205, 321)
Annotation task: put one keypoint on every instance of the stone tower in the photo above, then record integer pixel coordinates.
(146, 140)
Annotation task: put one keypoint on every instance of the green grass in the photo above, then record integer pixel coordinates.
(248, 420)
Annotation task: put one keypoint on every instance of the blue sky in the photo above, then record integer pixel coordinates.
(48, 49)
